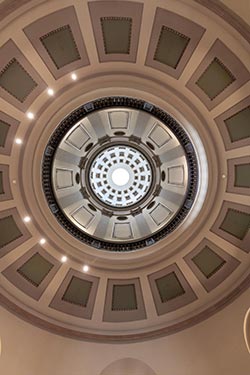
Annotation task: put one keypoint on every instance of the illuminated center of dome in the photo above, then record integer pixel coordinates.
(120, 176)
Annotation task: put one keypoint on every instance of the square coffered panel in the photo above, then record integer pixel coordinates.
(116, 26)
(173, 40)
(219, 75)
(5, 190)
(76, 294)
(33, 271)
(20, 84)
(239, 175)
(234, 126)
(8, 127)
(116, 32)
(170, 289)
(13, 231)
(58, 40)
(210, 264)
(124, 301)
(233, 224)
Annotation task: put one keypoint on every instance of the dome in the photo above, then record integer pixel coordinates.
(125, 164)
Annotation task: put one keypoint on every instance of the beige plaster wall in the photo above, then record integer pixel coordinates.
(213, 347)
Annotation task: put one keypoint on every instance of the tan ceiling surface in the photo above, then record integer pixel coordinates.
(205, 87)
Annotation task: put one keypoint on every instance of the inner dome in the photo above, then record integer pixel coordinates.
(120, 176)
(86, 191)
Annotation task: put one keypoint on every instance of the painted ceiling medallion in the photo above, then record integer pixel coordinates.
(119, 174)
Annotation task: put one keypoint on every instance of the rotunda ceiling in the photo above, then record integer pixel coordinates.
(124, 126)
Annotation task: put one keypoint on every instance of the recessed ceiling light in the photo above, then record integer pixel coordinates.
(85, 268)
(18, 141)
(64, 259)
(74, 76)
(50, 92)
(26, 219)
(42, 241)
(30, 115)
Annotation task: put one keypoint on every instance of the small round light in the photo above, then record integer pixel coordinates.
(50, 92)
(26, 219)
(74, 76)
(14, 182)
(42, 241)
(64, 259)
(18, 141)
(85, 268)
(223, 176)
(30, 115)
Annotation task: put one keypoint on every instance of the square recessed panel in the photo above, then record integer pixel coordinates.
(159, 136)
(208, 262)
(218, 76)
(78, 137)
(169, 287)
(8, 127)
(116, 26)
(61, 46)
(238, 125)
(118, 119)
(215, 79)
(35, 269)
(64, 178)
(4, 128)
(76, 295)
(5, 190)
(242, 175)
(236, 223)
(124, 301)
(173, 41)
(16, 80)
(124, 297)
(58, 40)
(171, 46)
(9, 230)
(78, 291)
(1, 183)
(116, 33)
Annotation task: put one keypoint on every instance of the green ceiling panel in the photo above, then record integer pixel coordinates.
(170, 47)
(215, 79)
(238, 125)
(16, 81)
(208, 262)
(9, 231)
(61, 46)
(169, 287)
(242, 175)
(78, 291)
(116, 33)
(4, 128)
(35, 269)
(236, 223)
(124, 297)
